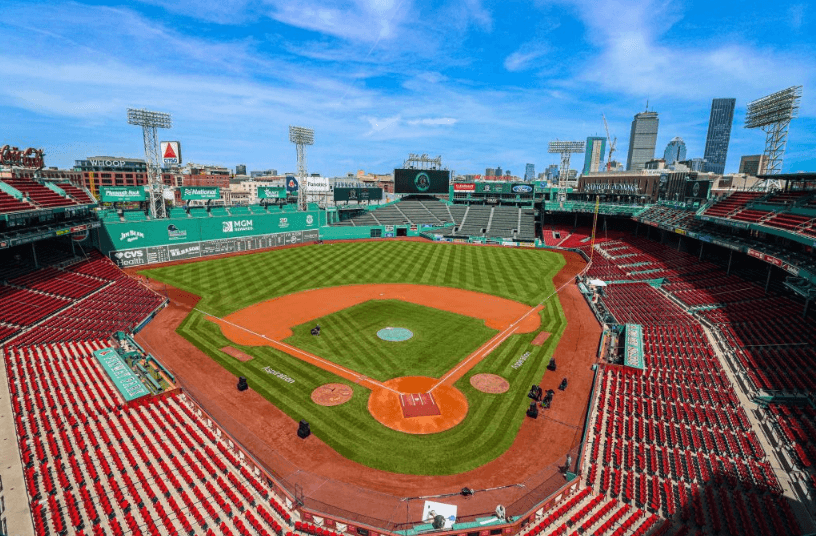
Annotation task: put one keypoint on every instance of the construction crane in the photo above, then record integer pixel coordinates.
(612, 144)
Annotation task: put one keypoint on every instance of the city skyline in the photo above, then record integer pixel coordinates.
(375, 84)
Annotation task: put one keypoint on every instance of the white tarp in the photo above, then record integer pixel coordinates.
(597, 283)
(448, 511)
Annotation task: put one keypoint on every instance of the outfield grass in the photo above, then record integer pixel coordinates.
(492, 422)
(349, 338)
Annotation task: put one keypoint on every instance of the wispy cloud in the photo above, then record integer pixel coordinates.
(433, 121)
(523, 58)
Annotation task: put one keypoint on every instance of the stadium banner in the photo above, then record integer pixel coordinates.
(357, 194)
(464, 186)
(421, 181)
(200, 193)
(270, 192)
(121, 194)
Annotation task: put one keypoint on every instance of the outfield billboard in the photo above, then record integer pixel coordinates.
(291, 184)
(504, 188)
(189, 193)
(357, 194)
(205, 248)
(117, 236)
(464, 187)
(421, 181)
(121, 194)
(271, 192)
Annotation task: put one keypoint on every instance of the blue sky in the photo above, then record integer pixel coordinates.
(481, 83)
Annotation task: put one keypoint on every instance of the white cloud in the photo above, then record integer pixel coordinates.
(523, 58)
(432, 121)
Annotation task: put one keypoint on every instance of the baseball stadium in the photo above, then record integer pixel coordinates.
(473, 359)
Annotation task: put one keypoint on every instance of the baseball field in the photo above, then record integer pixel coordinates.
(263, 306)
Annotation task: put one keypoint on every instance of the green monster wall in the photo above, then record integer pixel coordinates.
(133, 243)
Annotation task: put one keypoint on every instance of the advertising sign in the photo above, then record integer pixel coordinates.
(421, 181)
(522, 189)
(317, 184)
(200, 192)
(171, 153)
(121, 194)
(464, 187)
(271, 192)
(357, 194)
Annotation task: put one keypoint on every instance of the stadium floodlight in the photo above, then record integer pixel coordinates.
(301, 137)
(565, 149)
(773, 114)
(150, 121)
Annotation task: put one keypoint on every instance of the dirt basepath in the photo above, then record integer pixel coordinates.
(340, 485)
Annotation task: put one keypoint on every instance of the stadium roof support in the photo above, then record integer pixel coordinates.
(301, 137)
(150, 121)
(773, 115)
(423, 161)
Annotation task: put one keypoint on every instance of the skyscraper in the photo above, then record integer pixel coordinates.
(642, 140)
(595, 147)
(675, 151)
(719, 134)
(529, 172)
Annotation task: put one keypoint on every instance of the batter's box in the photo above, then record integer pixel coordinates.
(418, 405)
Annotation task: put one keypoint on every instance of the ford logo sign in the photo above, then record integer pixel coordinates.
(522, 189)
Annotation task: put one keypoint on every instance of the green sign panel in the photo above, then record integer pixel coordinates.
(125, 380)
(504, 188)
(200, 192)
(120, 194)
(269, 192)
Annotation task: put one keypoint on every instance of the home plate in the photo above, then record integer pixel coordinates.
(418, 405)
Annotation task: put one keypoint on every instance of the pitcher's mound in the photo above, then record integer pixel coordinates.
(489, 383)
(332, 394)
(236, 353)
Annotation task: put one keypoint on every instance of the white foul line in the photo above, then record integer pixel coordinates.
(298, 350)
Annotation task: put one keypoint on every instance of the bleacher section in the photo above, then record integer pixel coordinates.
(40, 196)
(731, 205)
(769, 340)
(477, 219)
(80, 195)
(153, 468)
(91, 299)
(504, 222)
(410, 211)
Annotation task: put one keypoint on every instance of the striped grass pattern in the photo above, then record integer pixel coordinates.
(493, 420)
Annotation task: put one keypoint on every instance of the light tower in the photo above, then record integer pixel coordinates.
(150, 121)
(301, 137)
(773, 115)
(565, 149)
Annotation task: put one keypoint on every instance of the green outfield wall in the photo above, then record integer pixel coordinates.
(134, 243)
